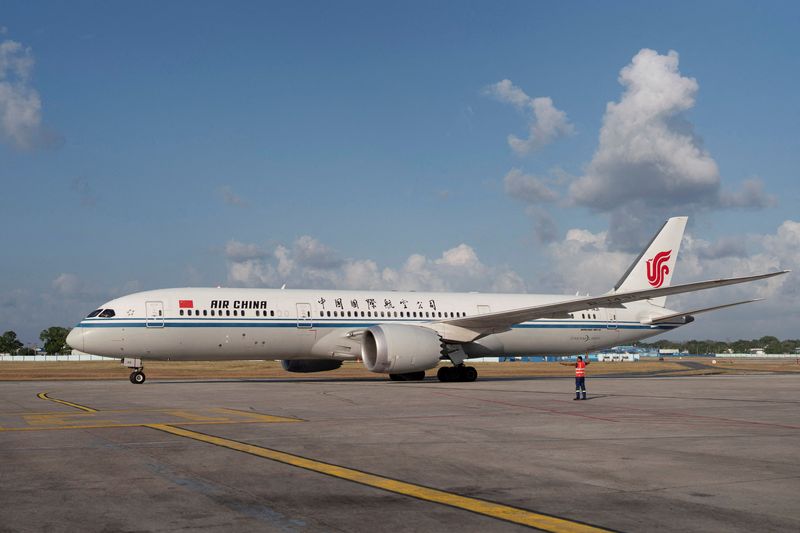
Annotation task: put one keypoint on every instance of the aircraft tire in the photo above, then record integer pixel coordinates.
(446, 374)
(137, 378)
(469, 373)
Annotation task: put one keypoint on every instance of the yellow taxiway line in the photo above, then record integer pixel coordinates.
(475, 505)
(44, 396)
(482, 507)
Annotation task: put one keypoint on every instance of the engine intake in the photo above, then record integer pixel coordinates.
(398, 348)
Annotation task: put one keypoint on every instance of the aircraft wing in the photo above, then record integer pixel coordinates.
(503, 320)
(665, 318)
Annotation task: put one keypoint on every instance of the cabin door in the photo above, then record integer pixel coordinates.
(154, 314)
(304, 316)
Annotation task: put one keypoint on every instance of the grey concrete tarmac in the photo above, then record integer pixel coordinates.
(711, 453)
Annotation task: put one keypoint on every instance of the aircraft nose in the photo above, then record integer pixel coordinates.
(75, 339)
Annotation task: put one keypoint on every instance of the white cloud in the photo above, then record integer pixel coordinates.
(231, 198)
(649, 161)
(752, 195)
(546, 122)
(20, 104)
(239, 251)
(583, 262)
(67, 284)
(528, 188)
(646, 148)
(311, 264)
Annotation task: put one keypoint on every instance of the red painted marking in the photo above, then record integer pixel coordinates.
(185, 304)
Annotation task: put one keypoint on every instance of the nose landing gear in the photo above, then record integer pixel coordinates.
(137, 376)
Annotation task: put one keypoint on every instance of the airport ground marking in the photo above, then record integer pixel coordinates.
(88, 417)
(44, 396)
(483, 507)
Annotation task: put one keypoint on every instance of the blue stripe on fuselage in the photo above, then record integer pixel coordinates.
(293, 323)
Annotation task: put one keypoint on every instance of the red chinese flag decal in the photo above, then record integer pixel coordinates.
(184, 304)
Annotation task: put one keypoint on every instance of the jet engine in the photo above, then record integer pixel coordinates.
(400, 349)
(310, 365)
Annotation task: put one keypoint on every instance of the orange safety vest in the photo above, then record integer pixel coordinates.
(580, 369)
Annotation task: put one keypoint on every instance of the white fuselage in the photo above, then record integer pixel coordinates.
(228, 324)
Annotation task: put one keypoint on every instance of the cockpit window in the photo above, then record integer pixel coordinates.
(107, 313)
(94, 313)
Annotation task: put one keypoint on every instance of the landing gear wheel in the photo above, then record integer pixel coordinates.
(137, 377)
(457, 373)
(469, 373)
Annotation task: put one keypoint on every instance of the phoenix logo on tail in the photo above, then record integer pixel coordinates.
(657, 269)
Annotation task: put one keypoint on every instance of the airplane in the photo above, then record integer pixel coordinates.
(399, 333)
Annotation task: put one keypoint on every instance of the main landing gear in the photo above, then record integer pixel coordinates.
(457, 373)
(137, 376)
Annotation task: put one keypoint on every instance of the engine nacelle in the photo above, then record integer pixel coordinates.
(310, 365)
(398, 348)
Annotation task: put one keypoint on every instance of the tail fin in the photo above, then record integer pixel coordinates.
(656, 264)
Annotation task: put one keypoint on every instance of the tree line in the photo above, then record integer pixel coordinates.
(54, 341)
(769, 344)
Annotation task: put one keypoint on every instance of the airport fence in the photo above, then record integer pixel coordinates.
(53, 358)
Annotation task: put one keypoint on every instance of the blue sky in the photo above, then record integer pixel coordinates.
(367, 145)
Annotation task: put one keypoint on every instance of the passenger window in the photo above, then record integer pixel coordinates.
(159, 313)
(205, 312)
(348, 313)
(227, 312)
(181, 312)
(212, 312)
(94, 313)
(272, 313)
(242, 312)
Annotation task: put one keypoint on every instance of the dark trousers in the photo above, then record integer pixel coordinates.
(580, 387)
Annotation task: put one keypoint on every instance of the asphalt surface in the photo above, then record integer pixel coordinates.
(711, 453)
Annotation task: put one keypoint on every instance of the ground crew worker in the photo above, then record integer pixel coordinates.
(580, 377)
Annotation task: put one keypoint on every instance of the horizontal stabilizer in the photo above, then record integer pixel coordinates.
(666, 318)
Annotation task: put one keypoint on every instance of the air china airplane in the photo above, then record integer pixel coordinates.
(402, 334)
